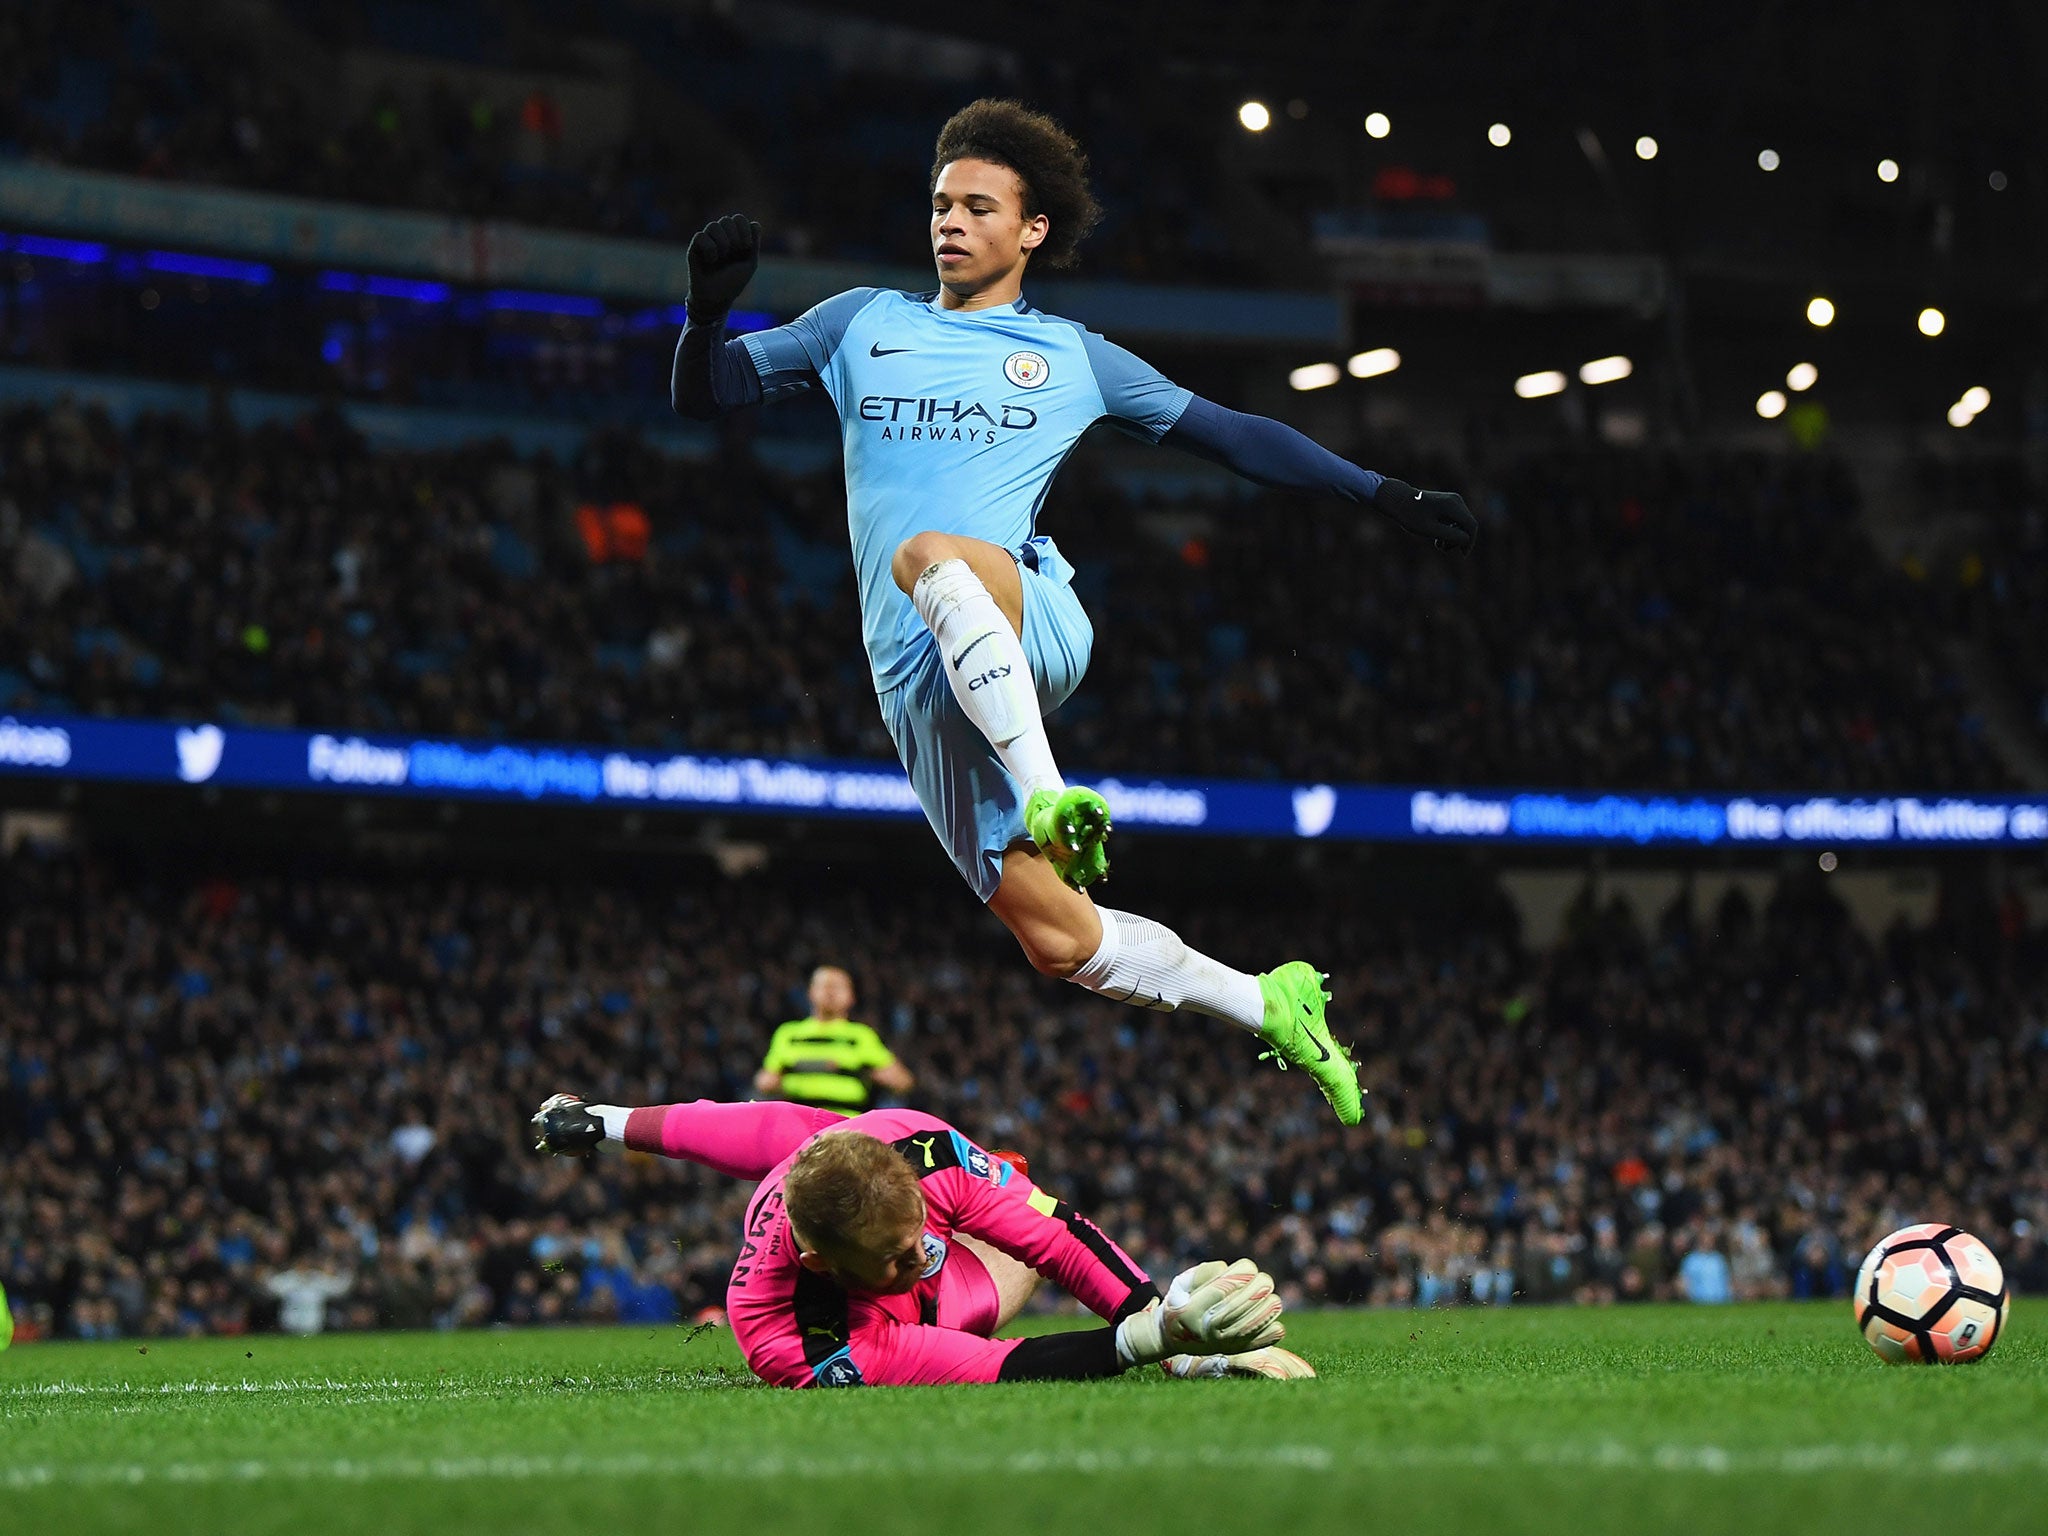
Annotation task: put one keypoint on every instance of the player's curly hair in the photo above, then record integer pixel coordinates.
(1052, 167)
(847, 1190)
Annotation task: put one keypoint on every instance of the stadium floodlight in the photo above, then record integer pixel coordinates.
(1534, 386)
(1932, 321)
(1887, 169)
(1646, 148)
(1976, 400)
(1820, 311)
(1960, 415)
(1314, 376)
(1801, 377)
(1370, 365)
(1998, 182)
(1770, 404)
(1378, 124)
(1500, 135)
(1767, 160)
(1606, 370)
(1254, 116)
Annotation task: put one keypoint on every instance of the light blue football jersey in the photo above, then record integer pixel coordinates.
(952, 420)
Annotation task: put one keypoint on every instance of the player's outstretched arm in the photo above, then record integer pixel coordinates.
(1271, 453)
(1222, 1311)
(1043, 1233)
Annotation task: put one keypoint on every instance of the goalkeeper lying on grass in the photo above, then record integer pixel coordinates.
(888, 1250)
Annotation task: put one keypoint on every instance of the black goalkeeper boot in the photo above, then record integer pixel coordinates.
(565, 1126)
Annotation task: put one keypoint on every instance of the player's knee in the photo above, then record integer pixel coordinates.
(918, 554)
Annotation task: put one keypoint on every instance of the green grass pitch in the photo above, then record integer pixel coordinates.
(1741, 1419)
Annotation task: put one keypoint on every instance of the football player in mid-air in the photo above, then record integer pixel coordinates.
(956, 409)
(886, 1250)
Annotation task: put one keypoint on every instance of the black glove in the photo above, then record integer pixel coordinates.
(1439, 516)
(723, 255)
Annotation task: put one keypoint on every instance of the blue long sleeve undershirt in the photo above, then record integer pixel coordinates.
(1267, 452)
(713, 375)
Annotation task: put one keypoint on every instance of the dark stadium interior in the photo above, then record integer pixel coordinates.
(308, 488)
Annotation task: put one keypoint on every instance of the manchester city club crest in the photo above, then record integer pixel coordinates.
(1026, 370)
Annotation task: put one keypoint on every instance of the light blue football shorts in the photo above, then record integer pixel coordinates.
(973, 804)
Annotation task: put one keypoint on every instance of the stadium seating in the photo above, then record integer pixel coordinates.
(810, 148)
(1648, 623)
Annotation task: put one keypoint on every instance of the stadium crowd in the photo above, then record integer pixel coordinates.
(1629, 620)
(229, 1102)
(2001, 568)
(829, 154)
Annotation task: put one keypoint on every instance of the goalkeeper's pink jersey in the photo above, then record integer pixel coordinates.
(799, 1329)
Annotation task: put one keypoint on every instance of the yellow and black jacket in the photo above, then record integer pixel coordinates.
(825, 1063)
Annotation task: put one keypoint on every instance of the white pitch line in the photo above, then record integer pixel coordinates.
(31, 1400)
(200, 1388)
(1963, 1460)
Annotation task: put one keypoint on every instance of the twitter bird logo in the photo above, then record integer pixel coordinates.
(1313, 808)
(199, 752)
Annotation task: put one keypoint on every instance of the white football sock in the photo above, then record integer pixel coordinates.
(986, 665)
(614, 1119)
(1146, 963)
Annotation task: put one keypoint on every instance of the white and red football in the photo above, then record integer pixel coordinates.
(1931, 1295)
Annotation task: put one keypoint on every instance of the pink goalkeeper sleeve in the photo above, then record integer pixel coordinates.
(746, 1141)
(1038, 1230)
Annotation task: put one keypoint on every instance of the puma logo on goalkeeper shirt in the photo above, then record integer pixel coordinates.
(925, 1142)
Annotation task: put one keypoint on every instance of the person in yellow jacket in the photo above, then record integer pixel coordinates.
(828, 1061)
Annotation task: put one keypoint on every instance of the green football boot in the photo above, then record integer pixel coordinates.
(1297, 1035)
(1071, 828)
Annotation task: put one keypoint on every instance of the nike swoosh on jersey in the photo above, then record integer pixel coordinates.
(876, 349)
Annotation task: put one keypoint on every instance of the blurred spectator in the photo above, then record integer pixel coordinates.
(304, 1291)
(1703, 1272)
(828, 1060)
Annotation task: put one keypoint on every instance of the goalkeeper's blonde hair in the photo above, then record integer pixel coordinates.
(848, 1192)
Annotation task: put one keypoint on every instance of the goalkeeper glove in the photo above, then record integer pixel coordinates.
(1439, 516)
(1275, 1364)
(1212, 1309)
(722, 258)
